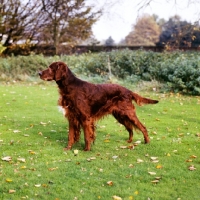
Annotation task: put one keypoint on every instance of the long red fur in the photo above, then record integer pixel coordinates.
(85, 103)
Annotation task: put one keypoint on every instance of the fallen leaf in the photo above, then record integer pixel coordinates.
(110, 183)
(40, 133)
(131, 165)
(11, 191)
(189, 160)
(193, 156)
(158, 178)
(192, 168)
(16, 131)
(9, 180)
(155, 161)
(155, 181)
(123, 147)
(106, 140)
(26, 135)
(128, 176)
(137, 142)
(136, 192)
(75, 152)
(38, 185)
(32, 152)
(43, 123)
(21, 160)
(83, 169)
(44, 185)
(154, 158)
(131, 147)
(159, 167)
(139, 160)
(7, 158)
(53, 168)
(116, 198)
(152, 173)
(198, 134)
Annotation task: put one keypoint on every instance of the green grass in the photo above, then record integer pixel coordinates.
(32, 128)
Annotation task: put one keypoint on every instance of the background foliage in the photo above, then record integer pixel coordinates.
(178, 71)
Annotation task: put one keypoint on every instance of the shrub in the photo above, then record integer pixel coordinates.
(180, 71)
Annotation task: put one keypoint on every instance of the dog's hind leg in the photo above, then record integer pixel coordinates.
(125, 114)
(128, 125)
(137, 124)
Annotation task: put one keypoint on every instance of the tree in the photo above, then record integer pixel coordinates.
(51, 22)
(145, 32)
(177, 33)
(67, 21)
(196, 36)
(17, 22)
(109, 42)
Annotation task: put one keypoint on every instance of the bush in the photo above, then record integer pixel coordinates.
(178, 70)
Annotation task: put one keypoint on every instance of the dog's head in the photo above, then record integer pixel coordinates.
(56, 71)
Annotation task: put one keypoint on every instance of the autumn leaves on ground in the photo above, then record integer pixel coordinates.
(33, 164)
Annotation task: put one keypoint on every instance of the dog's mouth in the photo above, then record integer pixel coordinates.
(45, 78)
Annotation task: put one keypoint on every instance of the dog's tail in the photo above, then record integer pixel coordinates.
(142, 100)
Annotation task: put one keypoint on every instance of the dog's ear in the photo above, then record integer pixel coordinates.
(61, 71)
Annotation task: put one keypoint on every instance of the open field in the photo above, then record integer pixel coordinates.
(33, 164)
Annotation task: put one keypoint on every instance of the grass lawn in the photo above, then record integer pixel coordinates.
(33, 164)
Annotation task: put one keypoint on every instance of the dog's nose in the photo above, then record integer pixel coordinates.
(40, 73)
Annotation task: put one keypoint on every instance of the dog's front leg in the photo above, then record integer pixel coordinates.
(71, 135)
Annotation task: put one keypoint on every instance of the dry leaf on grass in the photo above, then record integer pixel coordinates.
(159, 167)
(116, 198)
(193, 156)
(11, 191)
(155, 181)
(26, 135)
(9, 180)
(38, 185)
(152, 173)
(43, 123)
(123, 147)
(21, 160)
(53, 168)
(131, 165)
(115, 157)
(139, 160)
(7, 158)
(110, 183)
(16, 131)
(154, 158)
(191, 168)
(75, 152)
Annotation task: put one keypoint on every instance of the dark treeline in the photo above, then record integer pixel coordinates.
(59, 27)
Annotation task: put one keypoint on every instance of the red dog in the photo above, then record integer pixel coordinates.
(84, 103)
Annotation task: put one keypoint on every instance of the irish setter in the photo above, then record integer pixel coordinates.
(84, 103)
